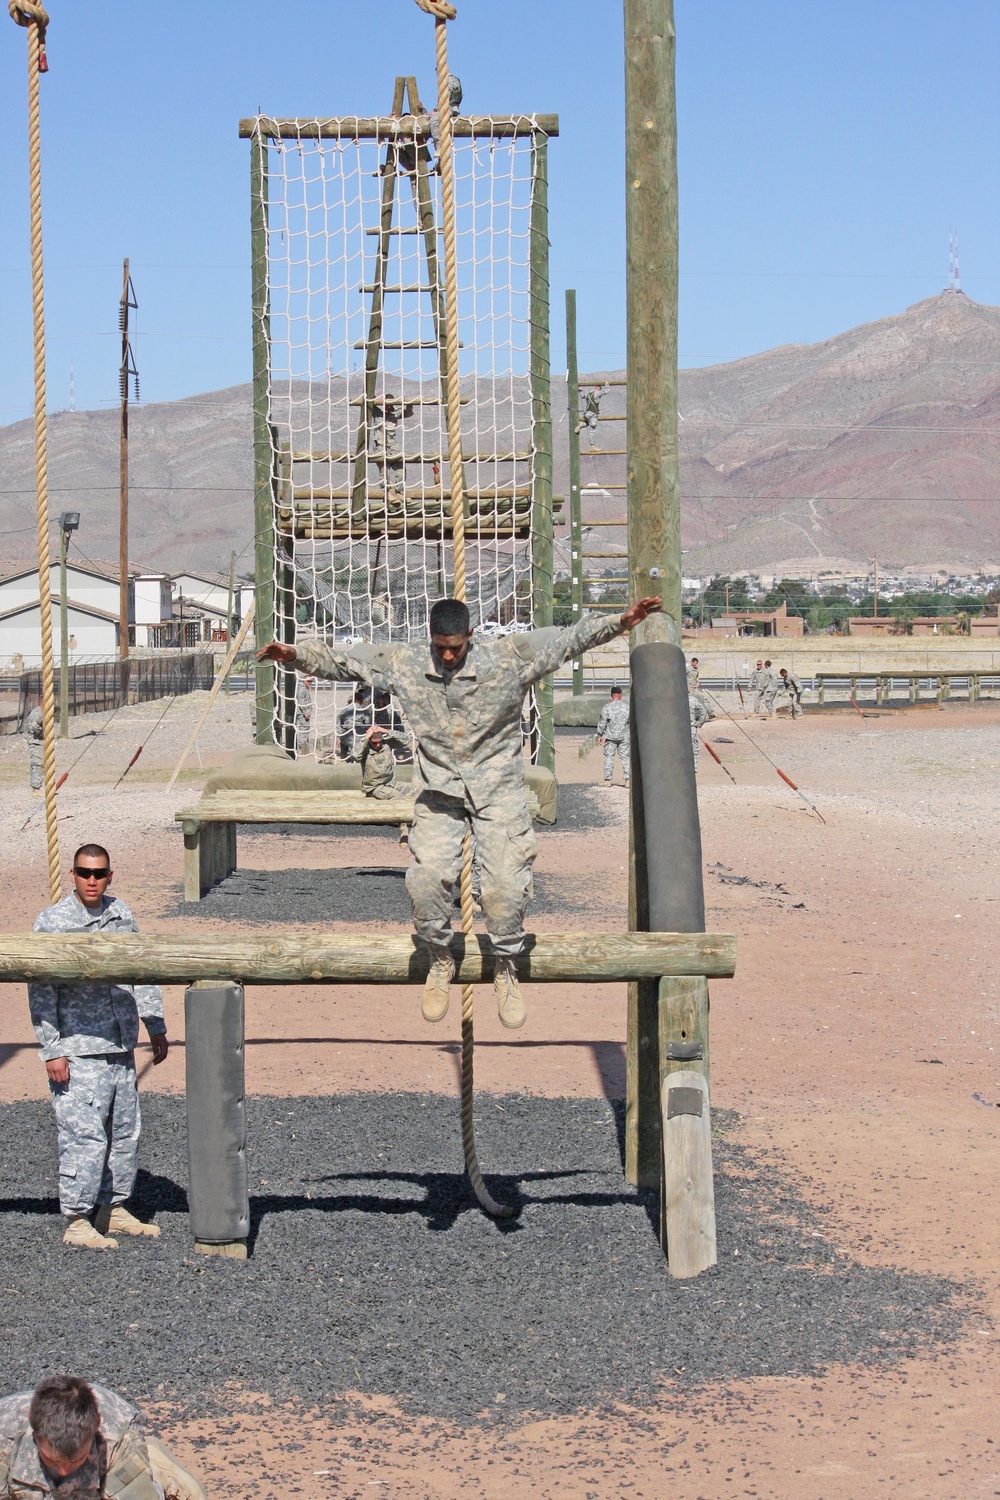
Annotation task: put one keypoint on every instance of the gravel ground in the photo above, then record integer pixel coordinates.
(370, 894)
(372, 1269)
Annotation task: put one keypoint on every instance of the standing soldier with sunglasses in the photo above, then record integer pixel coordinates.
(88, 1033)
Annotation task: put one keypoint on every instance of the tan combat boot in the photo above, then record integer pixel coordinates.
(510, 1002)
(118, 1220)
(80, 1231)
(437, 993)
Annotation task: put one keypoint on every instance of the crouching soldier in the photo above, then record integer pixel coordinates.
(82, 1442)
(793, 688)
(88, 1032)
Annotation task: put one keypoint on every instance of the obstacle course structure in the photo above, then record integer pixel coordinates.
(353, 480)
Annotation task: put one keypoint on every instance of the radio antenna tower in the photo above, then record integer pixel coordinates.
(954, 282)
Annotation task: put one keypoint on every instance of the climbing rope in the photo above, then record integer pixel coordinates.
(31, 15)
(443, 12)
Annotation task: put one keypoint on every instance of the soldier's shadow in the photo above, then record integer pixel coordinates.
(445, 1197)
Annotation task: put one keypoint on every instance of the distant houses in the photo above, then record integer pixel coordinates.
(187, 610)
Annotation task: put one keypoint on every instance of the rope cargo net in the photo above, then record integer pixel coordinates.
(357, 376)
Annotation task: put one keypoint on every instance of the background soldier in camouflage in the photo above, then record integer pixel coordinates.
(82, 1442)
(34, 733)
(88, 1032)
(613, 735)
(699, 716)
(793, 688)
(463, 703)
(772, 682)
(757, 685)
(378, 765)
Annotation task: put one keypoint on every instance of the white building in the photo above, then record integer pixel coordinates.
(209, 591)
(153, 605)
(92, 632)
(93, 586)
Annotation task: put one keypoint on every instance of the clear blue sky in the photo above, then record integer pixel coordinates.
(824, 150)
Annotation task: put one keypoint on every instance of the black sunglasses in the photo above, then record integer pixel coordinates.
(98, 872)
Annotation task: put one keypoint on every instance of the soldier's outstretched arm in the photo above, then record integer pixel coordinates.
(356, 664)
(544, 650)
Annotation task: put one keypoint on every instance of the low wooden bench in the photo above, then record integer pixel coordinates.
(210, 826)
(940, 683)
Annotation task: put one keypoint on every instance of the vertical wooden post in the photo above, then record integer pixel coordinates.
(575, 514)
(126, 303)
(541, 423)
(653, 480)
(63, 634)
(263, 463)
(229, 609)
(654, 539)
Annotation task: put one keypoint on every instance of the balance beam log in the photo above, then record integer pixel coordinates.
(353, 958)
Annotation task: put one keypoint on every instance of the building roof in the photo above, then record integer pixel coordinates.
(107, 571)
(83, 609)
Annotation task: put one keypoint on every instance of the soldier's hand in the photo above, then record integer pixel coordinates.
(277, 651)
(160, 1047)
(638, 612)
(58, 1069)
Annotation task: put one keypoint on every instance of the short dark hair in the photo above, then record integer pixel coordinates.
(767, 661)
(616, 688)
(449, 617)
(92, 851)
(64, 1411)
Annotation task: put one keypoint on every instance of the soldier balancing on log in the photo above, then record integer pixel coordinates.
(463, 703)
(88, 1033)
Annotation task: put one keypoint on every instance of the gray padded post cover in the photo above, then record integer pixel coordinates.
(218, 1195)
(665, 795)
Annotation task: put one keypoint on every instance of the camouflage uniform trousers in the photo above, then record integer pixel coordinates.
(505, 850)
(758, 699)
(388, 792)
(695, 744)
(98, 1122)
(36, 761)
(769, 696)
(624, 749)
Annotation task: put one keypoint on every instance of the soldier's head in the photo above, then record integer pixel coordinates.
(92, 874)
(64, 1418)
(783, 672)
(767, 663)
(376, 736)
(759, 664)
(616, 692)
(694, 661)
(451, 632)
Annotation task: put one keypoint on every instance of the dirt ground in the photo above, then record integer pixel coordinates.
(858, 1045)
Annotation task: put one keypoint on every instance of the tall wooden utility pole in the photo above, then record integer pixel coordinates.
(126, 373)
(657, 1013)
(575, 511)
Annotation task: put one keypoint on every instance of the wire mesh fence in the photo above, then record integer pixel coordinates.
(97, 686)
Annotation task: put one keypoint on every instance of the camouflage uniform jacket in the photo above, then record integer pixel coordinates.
(34, 725)
(792, 684)
(467, 722)
(87, 1020)
(122, 1468)
(613, 723)
(378, 767)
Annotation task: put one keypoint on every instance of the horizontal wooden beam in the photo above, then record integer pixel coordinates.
(350, 958)
(397, 127)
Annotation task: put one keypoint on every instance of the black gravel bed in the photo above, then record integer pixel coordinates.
(353, 893)
(373, 1269)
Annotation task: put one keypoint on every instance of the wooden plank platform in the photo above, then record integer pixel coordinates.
(210, 826)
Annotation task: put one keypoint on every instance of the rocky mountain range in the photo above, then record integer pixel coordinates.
(883, 441)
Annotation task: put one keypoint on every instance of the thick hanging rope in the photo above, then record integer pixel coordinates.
(442, 13)
(31, 15)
